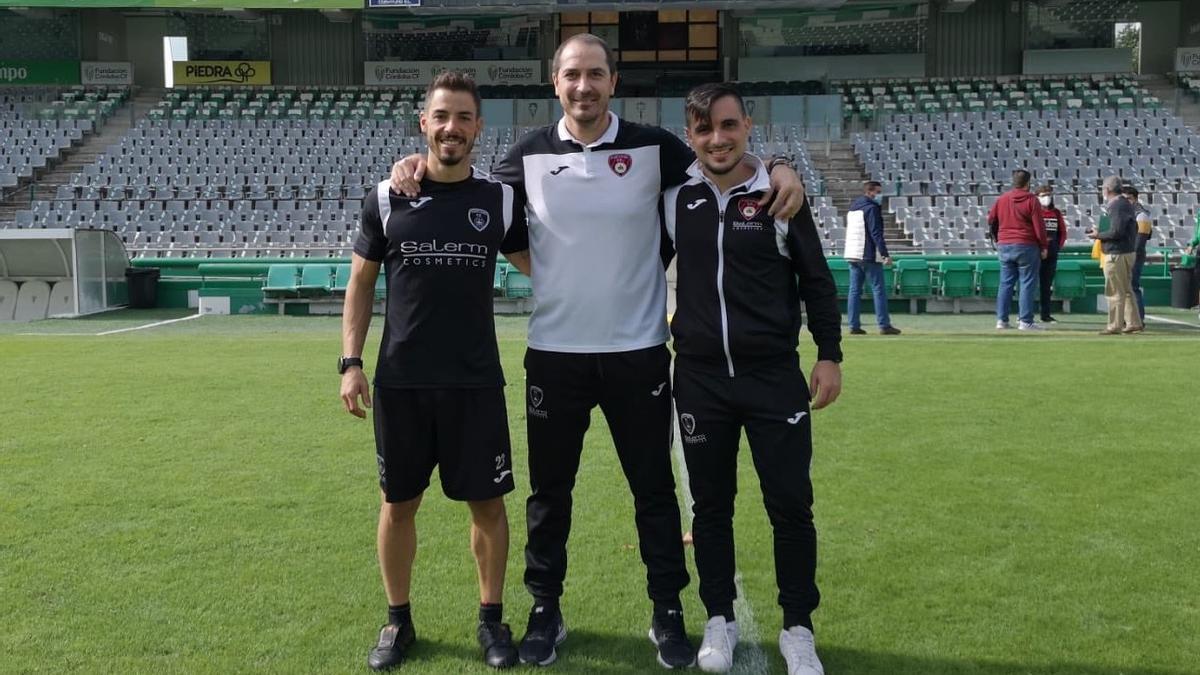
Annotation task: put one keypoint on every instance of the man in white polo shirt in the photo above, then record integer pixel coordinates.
(598, 332)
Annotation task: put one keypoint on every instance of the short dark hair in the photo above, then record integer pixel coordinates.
(453, 80)
(587, 39)
(1129, 191)
(698, 104)
(1044, 187)
(871, 185)
(1021, 178)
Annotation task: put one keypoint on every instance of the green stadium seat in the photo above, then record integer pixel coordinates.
(517, 285)
(1069, 280)
(955, 279)
(987, 277)
(315, 280)
(498, 278)
(913, 278)
(282, 281)
(341, 279)
(841, 275)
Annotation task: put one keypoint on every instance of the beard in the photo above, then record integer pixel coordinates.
(722, 170)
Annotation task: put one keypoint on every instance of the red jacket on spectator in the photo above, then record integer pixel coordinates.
(1050, 213)
(1017, 216)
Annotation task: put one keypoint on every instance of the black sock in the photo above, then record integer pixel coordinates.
(491, 613)
(551, 604)
(791, 619)
(662, 608)
(400, 614)
(724, 611)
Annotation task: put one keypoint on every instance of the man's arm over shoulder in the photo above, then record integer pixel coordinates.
(371, 241)
(674, 157)
(816, 285)
(511, 169)
(515, 245)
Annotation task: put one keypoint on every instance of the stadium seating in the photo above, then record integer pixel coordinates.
(37, 124)
(8, 299)
(943, 171)
(866, 99)
(62, 299)
(33, 299)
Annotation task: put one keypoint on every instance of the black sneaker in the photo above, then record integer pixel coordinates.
(857, 331)
(1049, 319)
(667, 633)
(889, 330)
(545, 631)
(394, 642)
(496, 640)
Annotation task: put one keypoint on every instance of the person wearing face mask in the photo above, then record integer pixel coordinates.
(1056, 236)
(866, 252)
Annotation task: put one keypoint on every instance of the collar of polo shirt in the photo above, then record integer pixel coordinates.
(610, 134)
(761, 180)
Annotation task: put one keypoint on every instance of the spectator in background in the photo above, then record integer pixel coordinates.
(866, 252)
(1056, 236)
(1145, 227)
(1119, 246)
(1015, 221)
(1193, 249)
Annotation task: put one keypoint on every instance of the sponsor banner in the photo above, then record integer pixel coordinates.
(190, 4)
(1187, 60)
(373, 4)
(39, 72)
(222, 72)
(401, 73)
(106, 72)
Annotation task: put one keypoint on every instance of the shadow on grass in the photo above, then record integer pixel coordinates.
(583, 652)
(126, 314)
(857, 662)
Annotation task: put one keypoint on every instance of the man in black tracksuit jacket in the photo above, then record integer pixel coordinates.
(741, 276)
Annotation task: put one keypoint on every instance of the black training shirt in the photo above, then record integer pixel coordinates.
(439, 255)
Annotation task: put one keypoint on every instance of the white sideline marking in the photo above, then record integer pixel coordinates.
(156, 324)
(1174, 321)
(753, 660)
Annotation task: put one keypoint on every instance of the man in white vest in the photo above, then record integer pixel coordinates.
(867, 253)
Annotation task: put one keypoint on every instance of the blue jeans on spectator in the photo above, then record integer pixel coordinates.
(873, 270)
(1021, 260)
(1138, 264)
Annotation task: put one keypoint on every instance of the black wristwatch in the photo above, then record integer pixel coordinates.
(347, 362)
(779, 161)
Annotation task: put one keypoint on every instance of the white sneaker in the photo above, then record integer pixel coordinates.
(1030, 326)
(1003, 325)
(716, 652)
(798, 649)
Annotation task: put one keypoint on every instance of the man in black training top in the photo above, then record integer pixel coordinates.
(741, 276)
(439, 389)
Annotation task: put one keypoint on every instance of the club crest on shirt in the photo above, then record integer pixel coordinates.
(478, 218)
(620, 163)
(748, 207)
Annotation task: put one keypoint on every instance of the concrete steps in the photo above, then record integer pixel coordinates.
(844, 175)
(46, 183)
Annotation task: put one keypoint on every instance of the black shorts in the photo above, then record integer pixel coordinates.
(462, 431)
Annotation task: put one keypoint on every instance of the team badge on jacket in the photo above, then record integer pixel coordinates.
(620, 163)
(479, 218)
(748, 207)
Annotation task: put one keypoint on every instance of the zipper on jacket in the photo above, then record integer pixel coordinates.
(722, 203)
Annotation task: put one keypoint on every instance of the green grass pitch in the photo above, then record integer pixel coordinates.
(192, 499)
